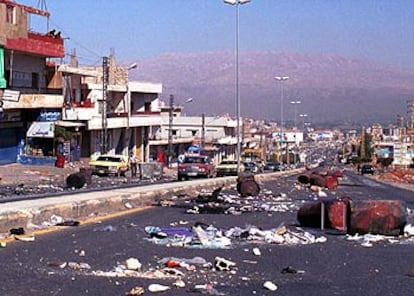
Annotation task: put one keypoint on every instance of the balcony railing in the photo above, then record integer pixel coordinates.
(145, 113)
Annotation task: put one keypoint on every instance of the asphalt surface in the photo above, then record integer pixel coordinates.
(336, 267)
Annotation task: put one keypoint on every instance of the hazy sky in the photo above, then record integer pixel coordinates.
(379, 30)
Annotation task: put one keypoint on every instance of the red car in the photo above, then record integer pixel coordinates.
(196, 166)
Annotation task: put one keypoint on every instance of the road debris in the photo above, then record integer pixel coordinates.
(158, 288)
(270, 286)
(135, 291)
(247, 185)
(210, 237)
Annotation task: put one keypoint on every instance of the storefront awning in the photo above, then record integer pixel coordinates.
(41, 129)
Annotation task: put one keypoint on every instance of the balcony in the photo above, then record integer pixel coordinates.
(38, 44)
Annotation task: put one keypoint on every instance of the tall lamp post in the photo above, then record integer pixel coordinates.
(281, 79)
(295, 103)
(129, 107)
(236, 3)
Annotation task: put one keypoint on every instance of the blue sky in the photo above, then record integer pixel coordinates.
(378, 30)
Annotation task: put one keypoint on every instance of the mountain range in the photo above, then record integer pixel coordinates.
(333, 90)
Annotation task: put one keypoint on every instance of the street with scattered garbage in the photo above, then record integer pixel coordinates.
(225, 241)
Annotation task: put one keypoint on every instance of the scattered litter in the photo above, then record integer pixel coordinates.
(135, 291)
(207, 289)
(290, 269)
(173, 271)
(3, 244)
(71, 265)
(59, 264)
(256, 251)
(249, 261)
(133, 264)
(179, 262)
(232, 204)
(78, 266)
(68, 223)
(223, 264)
(179, 284)
(55, 219)
(270, 286)
(158, 288)
(106, 228)
(25, 238)
(17, 231)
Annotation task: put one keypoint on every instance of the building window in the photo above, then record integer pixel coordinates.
(147, 106)
(10, 14)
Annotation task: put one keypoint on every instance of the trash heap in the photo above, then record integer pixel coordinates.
(210, 237)
(219, 202)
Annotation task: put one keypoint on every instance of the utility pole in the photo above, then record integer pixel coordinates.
(170, 129)
(105, 82)
(203, 130)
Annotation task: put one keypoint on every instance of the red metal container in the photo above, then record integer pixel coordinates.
(60, 161)
(326, 214)
(386, 217)
(331, 182)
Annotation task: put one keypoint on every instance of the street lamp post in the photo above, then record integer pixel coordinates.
(128, 107)
(281, 79)
(236, 3)
(295, 103)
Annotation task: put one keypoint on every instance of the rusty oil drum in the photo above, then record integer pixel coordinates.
(386, 217)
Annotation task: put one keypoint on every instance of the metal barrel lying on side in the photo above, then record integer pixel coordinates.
(387, 217)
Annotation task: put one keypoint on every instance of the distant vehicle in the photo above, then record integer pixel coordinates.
(109, 165)
(367, 169)
(228, 168)
(196, 166)
(251, 167)
(274, 167)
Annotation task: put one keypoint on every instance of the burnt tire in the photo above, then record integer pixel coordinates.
(76, 180)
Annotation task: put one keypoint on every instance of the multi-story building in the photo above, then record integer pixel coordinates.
(26, 72)
(392, 142)
(49, 109)
(215, 135)
(115, 121)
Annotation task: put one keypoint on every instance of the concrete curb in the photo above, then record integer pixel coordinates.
(95, 204)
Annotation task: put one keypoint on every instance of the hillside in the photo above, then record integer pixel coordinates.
(332, 89)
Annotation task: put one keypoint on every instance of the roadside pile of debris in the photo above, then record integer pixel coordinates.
(218, 202)
(398, 176)
(210, 237)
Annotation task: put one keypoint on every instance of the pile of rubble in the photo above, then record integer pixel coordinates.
(398, 176)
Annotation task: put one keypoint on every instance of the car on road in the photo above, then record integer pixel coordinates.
(195, 166)
(109, 165)
(367, 169)
(228, 167)
(274, 167)
(251, 167)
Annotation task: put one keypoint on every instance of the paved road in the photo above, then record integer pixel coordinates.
(337, 267)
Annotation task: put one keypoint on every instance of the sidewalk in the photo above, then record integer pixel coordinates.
(16, 173)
